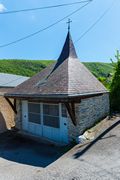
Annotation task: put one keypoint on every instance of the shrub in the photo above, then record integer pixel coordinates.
(115, 85)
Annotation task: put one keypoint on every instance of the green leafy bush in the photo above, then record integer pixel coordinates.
(115, 85)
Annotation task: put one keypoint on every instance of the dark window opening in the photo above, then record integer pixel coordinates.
(34, 113)
(51, 115)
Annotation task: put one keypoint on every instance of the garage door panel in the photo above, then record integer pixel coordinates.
(45, 121)
(31, 128)
(56, 134)
(38, 130)
(47, 132)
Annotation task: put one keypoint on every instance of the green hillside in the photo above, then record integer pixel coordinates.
(23, 67)
(100, 69)
(31, 67)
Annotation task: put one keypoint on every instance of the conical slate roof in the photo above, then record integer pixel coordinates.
(68, 77)
(67, 51)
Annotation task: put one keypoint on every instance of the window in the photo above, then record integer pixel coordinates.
(64, 111)
(34, 113)
(51, 115)
(52, 110)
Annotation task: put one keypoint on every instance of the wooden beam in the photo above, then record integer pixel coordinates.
(66, 99)
(71, 110)
(11, 104)
(48, 100)
(14, 102)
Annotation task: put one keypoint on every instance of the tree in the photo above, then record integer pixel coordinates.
(115, 85)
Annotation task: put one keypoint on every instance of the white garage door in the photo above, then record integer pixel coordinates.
(45, 120)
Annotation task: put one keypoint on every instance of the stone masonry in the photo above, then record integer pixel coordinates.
(6, 115)
(88, 112)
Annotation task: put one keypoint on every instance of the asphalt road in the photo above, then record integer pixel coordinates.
(21, 158)
(99, 160)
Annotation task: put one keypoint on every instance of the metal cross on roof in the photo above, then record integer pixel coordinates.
(69, 21)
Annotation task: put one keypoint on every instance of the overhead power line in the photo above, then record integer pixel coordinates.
(96, 22)
(46, 28)
(45, 7)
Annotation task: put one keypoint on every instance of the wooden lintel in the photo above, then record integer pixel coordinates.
(73, 107)
(13, 106)
(48, 100)
(15, 103)
(76, 99)
(71, 110)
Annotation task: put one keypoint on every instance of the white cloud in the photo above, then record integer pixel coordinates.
(2, 7)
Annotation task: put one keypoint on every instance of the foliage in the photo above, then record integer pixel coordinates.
(103, 71)
(23, 67)
(100, 69)
(106, 81)
(115, 85)
(31, 67)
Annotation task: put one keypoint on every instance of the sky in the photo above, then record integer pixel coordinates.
(98, 45)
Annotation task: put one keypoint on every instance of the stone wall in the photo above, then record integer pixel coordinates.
(6, 115)
(88, 112)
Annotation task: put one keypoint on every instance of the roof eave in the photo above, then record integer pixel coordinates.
(55, 97)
